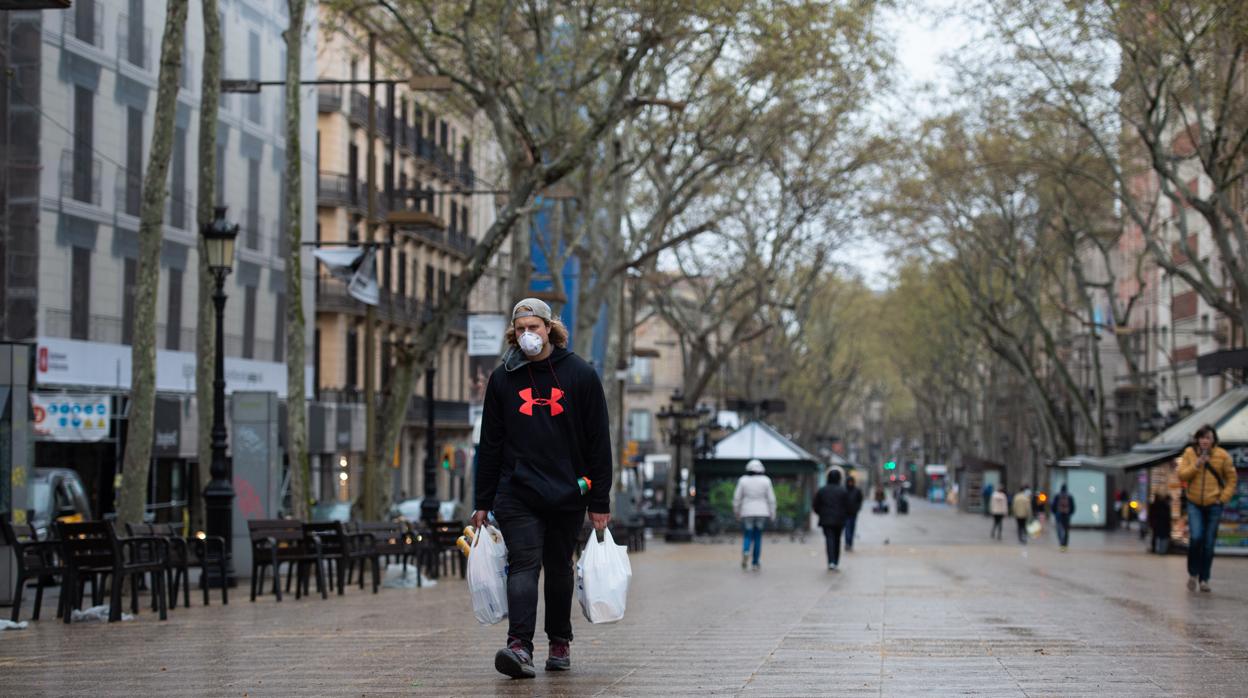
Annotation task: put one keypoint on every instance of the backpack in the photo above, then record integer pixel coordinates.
(1063, 503)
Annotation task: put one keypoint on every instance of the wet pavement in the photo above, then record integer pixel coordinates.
(925, 605)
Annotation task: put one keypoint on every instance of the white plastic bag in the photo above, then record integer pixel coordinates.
(487, 576)
(602, 576)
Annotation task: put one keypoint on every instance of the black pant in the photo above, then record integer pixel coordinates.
(1022, 529)
(537, 540)
(832, 539)
(996, 526)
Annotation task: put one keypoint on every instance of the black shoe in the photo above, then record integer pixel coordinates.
(515, 661)
(560, 657)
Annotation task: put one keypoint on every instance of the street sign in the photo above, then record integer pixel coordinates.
(429, 83)
(248, 86)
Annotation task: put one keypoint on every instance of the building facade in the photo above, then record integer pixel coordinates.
(78, 120)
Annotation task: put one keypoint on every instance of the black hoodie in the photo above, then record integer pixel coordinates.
(545, 425)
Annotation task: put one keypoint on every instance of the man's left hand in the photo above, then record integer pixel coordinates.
(599, 521)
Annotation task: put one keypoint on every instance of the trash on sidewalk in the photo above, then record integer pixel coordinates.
(95, 613)
(395, 578)
(10, 625)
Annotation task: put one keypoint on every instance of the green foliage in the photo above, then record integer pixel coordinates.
(721, 497)
(788, 500)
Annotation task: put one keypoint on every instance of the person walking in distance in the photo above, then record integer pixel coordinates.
(855, 506)
(544, 459)
(1022, 512)
(753, 503)
(1159, 523)
(998, 505)
(833, 506)
(1063, 507)
(1209, 474)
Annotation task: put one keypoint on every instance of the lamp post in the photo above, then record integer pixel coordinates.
(683, 422)
(218, 248)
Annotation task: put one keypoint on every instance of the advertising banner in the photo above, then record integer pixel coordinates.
(485, 335)
(70, 417)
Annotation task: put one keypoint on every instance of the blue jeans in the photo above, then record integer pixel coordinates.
(1202, 523)
(752, 527)
(1063, 528)
(850, 524)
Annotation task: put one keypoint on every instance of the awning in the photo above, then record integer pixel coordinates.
(1120, 461)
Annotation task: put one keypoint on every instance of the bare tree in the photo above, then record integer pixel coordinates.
(206, 195)
(138, 458)
(296, 404)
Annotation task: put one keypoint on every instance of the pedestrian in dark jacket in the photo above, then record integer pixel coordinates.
(1063, 507)
(833, 506)
(1159, 523)
(855, 506)
(543, 461)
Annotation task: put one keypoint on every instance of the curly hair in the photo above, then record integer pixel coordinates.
(558, 334)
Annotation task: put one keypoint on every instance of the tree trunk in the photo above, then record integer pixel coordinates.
(205, 338)
(133, 495)
(296, 403)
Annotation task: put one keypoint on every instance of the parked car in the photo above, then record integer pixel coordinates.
(448, 510)
(56, 494)
(331, 511)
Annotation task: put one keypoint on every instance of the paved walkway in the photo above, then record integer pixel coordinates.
(926, 605)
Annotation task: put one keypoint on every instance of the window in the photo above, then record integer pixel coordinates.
(253, 65)
(79, 293)
(441, 284)
(639, 425)
(454, 219)
(385, 361)
(129, 280)
(444, 136)
(353, 349)
(387, 267)
(429, 297)
(84, 125)
(641, 371)
(353, 172)
(279, 334)
(134, 29)
(177, 186)
(134, 161)
(463, 221)
(84, 21)
(249, 322)
(402, 273)
(173, 322)
(253, 205)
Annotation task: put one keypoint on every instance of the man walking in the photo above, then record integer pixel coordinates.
(1063, 507)
(998, 505)
(1022, 512)
(832, 505)
(1207, 470)
(544, 458)
(855, 506)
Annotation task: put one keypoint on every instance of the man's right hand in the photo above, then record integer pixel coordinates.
(479, 518)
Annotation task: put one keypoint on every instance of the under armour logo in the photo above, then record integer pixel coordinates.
(530, 401)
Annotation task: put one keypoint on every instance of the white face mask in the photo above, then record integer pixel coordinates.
(530, 343)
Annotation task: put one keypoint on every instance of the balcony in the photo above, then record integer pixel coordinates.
(129, 192)
(135, 51)
(180, 210)
(336, 189)
(359, 114)
(332, 297)
(251, 232)
(80, 177)
(467, 177)
(328, 98)
(100, 328)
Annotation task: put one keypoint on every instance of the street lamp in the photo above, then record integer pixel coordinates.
(218, 249)
(683, 422)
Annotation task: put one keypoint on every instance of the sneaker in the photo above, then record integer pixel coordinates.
(756, 567)
(832, 566)
(560, 657)
(515, 660)
(1191, 584)
(1204, 586)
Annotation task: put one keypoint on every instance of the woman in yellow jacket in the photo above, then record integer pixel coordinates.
(1209, 474)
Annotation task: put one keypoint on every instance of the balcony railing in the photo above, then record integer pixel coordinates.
(467, 177)
(252, 231)
(137, 50)
(100, 328)
(180, 210)
(129, 192)
(80, 177)
(337, 189)
(332, 296)
(85, 22)
(359, 113)
(328, 98)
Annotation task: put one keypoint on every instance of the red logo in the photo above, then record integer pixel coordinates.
(43, 359)
(530, 401)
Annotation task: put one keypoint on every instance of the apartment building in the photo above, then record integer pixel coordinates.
(77, 125)
(428, 148)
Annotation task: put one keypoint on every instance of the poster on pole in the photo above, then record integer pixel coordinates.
(485, 334)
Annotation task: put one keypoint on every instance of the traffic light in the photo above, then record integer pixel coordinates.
(448, 457)
(891, 465)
